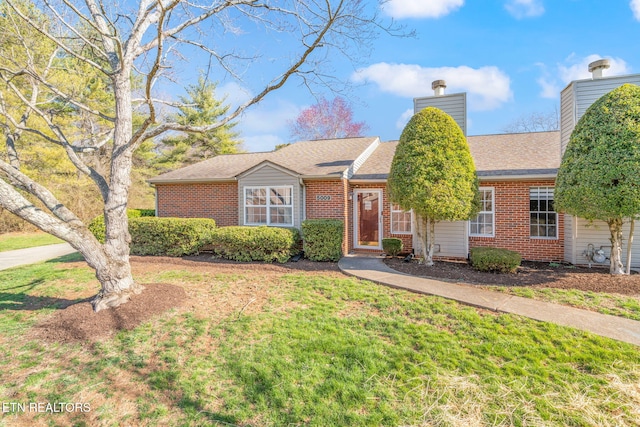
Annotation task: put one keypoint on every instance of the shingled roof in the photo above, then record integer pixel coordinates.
(332, 157)
(501, 155)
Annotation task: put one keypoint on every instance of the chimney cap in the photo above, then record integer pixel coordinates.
(599, 64)
(438, 83)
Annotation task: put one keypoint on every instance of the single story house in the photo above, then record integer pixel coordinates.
(346, 179)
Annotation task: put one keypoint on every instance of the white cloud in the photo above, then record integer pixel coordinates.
(271, 117)
(635, 8)
(404, 119)
(262, 125)
(234, 93)
(578, 69)
(550, 88)
(520, 9)
(421, 8)
(487, 87)
(574, 68)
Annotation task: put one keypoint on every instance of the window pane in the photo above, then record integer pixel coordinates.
(482, 225)
(534, 230)
(256, 215)
(281, 196)
(543, 218)
(280, 215)
(255, 196)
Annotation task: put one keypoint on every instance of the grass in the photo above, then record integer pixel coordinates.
(13, 241)
(601, 302)
(312, 350)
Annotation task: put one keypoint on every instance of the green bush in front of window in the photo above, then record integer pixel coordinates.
(322, 239)
(244, 243)
(392, 246)
(169, 236)
(97, 227)
(495, 260)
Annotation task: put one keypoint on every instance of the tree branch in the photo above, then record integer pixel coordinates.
(56, 40)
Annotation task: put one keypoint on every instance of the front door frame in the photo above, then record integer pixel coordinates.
(356, 219)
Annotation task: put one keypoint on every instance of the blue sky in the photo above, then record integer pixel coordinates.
(512, 57)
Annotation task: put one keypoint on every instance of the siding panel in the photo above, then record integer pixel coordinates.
(597, 233)
(576, 98)
(454, 105)
(569, 239)
(450, 239)
(270, 176)
(567, 116)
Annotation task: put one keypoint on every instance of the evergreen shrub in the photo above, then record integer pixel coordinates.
(322, 239)
(169, 236)
(242, 243)
(495, 260)
(392, 246)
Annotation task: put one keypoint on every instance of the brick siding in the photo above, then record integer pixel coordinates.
(203, 200)
(335, 208)
(512, 223)
(220, 202)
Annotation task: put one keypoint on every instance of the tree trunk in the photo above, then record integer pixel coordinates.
(115, 274)
(615, 227)
(629, 243)
(429, 245)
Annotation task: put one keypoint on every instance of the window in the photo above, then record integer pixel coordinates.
(400, 220)
(483, 224)
(544, 220)
(268, 205)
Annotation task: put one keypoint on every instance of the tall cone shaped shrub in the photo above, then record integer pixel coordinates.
(599, 177)
(433, 173)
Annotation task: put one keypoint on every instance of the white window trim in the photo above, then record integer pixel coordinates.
(410, 220)
(557, 216)
(492, 212)
(267, 189)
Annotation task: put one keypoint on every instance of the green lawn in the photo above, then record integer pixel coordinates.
(13, 241)
(308, 349)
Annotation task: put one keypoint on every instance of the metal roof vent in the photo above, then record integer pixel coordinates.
(597, 67)
(438, 87)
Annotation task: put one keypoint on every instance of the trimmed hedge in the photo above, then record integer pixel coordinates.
(169, 236)
(392, 246)
(495, 260)
(322, 239)
(97, 227)
(242, 243)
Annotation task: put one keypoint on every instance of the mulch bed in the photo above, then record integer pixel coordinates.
(530, 274)
(78, 322)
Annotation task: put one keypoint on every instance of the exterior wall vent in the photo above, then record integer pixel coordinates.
(596, 68)
(438, 87)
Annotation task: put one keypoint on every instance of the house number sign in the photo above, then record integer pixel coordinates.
(323, 198)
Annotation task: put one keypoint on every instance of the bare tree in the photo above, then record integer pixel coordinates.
(123, 43)
(534, 122)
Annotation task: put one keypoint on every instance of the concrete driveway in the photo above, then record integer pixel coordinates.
(32, 255)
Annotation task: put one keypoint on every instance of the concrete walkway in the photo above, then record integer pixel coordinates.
(18, 257)
(614, 327)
